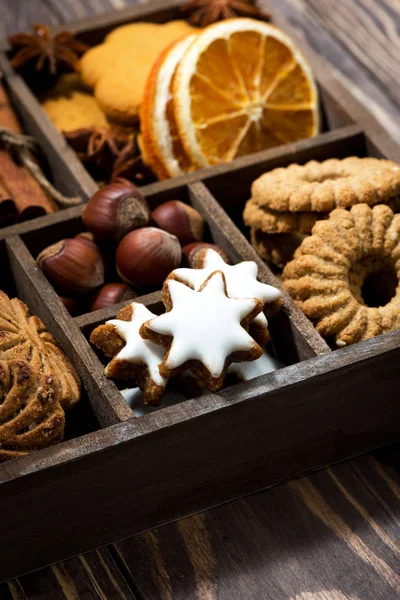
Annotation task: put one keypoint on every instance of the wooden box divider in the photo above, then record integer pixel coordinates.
(132, 474)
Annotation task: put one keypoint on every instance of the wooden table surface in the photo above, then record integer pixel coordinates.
(334, 535)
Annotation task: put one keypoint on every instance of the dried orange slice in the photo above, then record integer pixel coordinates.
(160, 140)
(242, 86)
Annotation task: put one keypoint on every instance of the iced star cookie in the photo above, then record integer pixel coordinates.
(241, 282)
(204, 330)
(132, 356)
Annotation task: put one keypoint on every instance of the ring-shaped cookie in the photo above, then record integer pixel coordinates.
(330, 268)
(323, 186)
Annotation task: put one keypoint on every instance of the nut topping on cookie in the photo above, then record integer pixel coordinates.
(204, 330)
(136, 359)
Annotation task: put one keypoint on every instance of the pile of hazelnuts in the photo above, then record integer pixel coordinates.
(125, 241)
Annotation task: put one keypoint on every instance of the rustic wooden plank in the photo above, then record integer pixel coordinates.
(20, 15)
(94, 575)
(275, 429)
(331, 536)
(33, 288)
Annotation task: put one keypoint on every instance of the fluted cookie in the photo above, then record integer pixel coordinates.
(323, 186)
(331, 274)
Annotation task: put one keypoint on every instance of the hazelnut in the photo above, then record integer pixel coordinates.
(110, 294)
(115, 210)
(87, 238)
(73, 266)
(189, 253)
(181, 220)
(146, 256)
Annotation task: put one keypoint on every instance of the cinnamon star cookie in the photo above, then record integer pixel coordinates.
(204, 330)
(132, 356)
(241, 282)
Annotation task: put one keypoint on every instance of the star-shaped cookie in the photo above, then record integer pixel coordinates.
(203, 330)
(132, 356)
(241, 282)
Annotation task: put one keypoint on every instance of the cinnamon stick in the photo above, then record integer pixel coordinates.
(29, 198)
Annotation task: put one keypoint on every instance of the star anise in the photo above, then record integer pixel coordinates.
(129, 165)
(99, 145)
(41, 48)
(206, 12)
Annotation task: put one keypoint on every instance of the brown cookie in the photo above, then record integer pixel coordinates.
(24, 337)
(271, 221)
(346, 275)
(31, 416)
(276, 249)
(323, 186)
(132, 356)
(204, 331)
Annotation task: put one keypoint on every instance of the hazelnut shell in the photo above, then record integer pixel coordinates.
(145, 257)
(73, 266)
(189, 253)
(115, 210)
(181, 220)
(110, 294)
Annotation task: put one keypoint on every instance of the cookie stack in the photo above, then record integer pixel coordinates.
(287, 202)
(215, 317)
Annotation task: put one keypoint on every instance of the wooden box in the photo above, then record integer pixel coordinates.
(118, 475)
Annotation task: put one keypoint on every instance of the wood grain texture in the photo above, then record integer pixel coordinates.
(331, 536)
(334, 535)
(94, 575)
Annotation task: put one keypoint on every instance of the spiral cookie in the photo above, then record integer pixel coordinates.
(323, 186)
(346, 275)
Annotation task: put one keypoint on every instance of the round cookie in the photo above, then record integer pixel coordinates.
(117, 69)
(332, 270)
(276, 248)
(323, 186)
(270, 221)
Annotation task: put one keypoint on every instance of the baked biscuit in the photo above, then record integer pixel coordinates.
(204, 331)
(323, 186)
(241, 282)
(330, 276)
(132, 356)
(276, 249)
(271, 221)
(70, 106)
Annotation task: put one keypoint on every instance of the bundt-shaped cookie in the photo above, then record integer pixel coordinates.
(331, 268)
(24, 337)
(31, 416)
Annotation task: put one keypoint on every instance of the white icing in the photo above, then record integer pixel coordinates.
(205, 325)
(138, 350)
(241, 280)
(256, 368)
